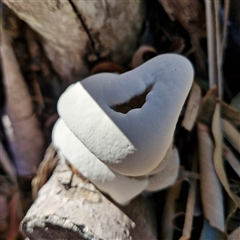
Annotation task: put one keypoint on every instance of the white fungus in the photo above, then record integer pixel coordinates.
(120, 188)
(104, 145)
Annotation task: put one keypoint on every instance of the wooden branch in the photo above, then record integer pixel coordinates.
(72, 37)
(69, 207)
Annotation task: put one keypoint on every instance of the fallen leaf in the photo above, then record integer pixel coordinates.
(167, 229)
(235, 103)
(235, 234)
(177, 45)
(37, 92)
(34, 50)
(229, 113)
(138, 57)
(7, 165)
(45, 170)
(207, 107)
(219, 165)
(4, 216)
(211, 190)
(16, 215)
(194, 22)
(209, 232)
(231, 134)
(231, 158)
(193, 106)
(190, 208)
(217, 155)
(28, 141)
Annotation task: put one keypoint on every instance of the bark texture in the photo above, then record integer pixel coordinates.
(69, 207)
(77, 34)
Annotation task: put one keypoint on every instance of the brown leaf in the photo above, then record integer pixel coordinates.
(230, 113)
(177, 45)
(138, 56)
(6, 165)
(34, 50)
(235, 234)
(190, 14)
(45, 170)
(4, 216)
(193, 106)
(231, 158)
(218, 160)
(211, 190)
(235, 103)
(10, 209)
(16, 215)
(211, 42)
(27, 143)
(37, 92)
(187, 228)
(190, 208)
(207, 107)
(169, 211)
(231, 134)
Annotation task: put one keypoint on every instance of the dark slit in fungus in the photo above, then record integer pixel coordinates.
(135, 102)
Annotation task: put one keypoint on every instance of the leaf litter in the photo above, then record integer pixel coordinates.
(207, 134)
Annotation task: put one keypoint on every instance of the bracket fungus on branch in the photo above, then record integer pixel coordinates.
(124, 154)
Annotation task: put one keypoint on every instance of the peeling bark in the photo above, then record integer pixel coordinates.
(72, 37)
(68, 207)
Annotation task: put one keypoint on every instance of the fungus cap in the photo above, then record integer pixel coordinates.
(135, 143)
(121, 188)
(167, 175)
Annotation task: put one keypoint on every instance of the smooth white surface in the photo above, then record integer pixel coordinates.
(163, 162)
(121, 188)
(166, 176)
(131, 144)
